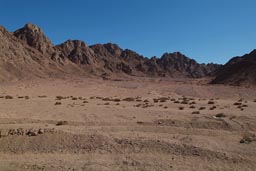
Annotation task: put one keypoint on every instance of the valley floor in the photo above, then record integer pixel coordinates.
(139, 124)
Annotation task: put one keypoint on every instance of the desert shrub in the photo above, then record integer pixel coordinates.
(26, 97)
(116, 100)
(107, 103)
(244, 105)
(184, 102)
(165, 107)
(138, 105)
(237, 103)
(74, 98)
(163, 99)
(213, 107)
(8, 97)
(202, 108)
(117, 104)
(155, 100)
(21, 97)
(61, 123)
(196, 112)
(181, 108)
(1, 97)
(176, 101)
(220, 115)
(191, 103)
(146, 101)
(129, 99)
(42, 96)
(211, 102)
(85, 101)
(57, 103)
(192, 107)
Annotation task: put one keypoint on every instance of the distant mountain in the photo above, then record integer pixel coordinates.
(239, 71)
(27, 52)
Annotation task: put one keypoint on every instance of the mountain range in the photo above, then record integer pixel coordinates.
(28, 53)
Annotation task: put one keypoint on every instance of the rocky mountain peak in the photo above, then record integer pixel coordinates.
(34, 37)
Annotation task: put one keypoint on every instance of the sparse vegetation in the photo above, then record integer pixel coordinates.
(237, 103)
(57, 103)
(129, 99)
(43, 96)
(181, 108)
(220, 115)
(211, 102)
(213, 107)
(8, 97)
(61, 123)
(202, 108)
(196, 112)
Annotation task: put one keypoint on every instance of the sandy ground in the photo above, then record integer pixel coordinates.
(142, 124)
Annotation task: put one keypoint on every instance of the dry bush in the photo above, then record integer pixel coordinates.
(191, 103)
(85, 101)
(181, 108)
(213, 107)
(43, 96)
(155, 100)
(129, 99)
(196, 112)
(107, 103)
(244, 105)
(8, 97)
(21, 97)
(57, 103)
(237, 103)
(165, 107)
(59, 97)
(202, 108)
(211, 102)
(220, 115)
(192, 107)
(61, 123)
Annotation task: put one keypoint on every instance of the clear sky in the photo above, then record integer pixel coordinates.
(206, 30)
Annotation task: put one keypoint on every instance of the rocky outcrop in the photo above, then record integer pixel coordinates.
(35, 37)
(238, 71)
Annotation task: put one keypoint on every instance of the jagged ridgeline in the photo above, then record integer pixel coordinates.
(27, 52)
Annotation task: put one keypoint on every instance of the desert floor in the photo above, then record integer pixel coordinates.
(139, 124)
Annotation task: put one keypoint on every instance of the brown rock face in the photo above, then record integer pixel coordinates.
(29, 50)
(238, 71)
(34, 37)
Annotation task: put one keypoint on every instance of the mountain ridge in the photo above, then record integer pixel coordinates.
(75, 56)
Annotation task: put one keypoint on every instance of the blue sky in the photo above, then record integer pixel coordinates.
(206, 30)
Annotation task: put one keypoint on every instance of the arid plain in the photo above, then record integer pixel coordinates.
(132, 124)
